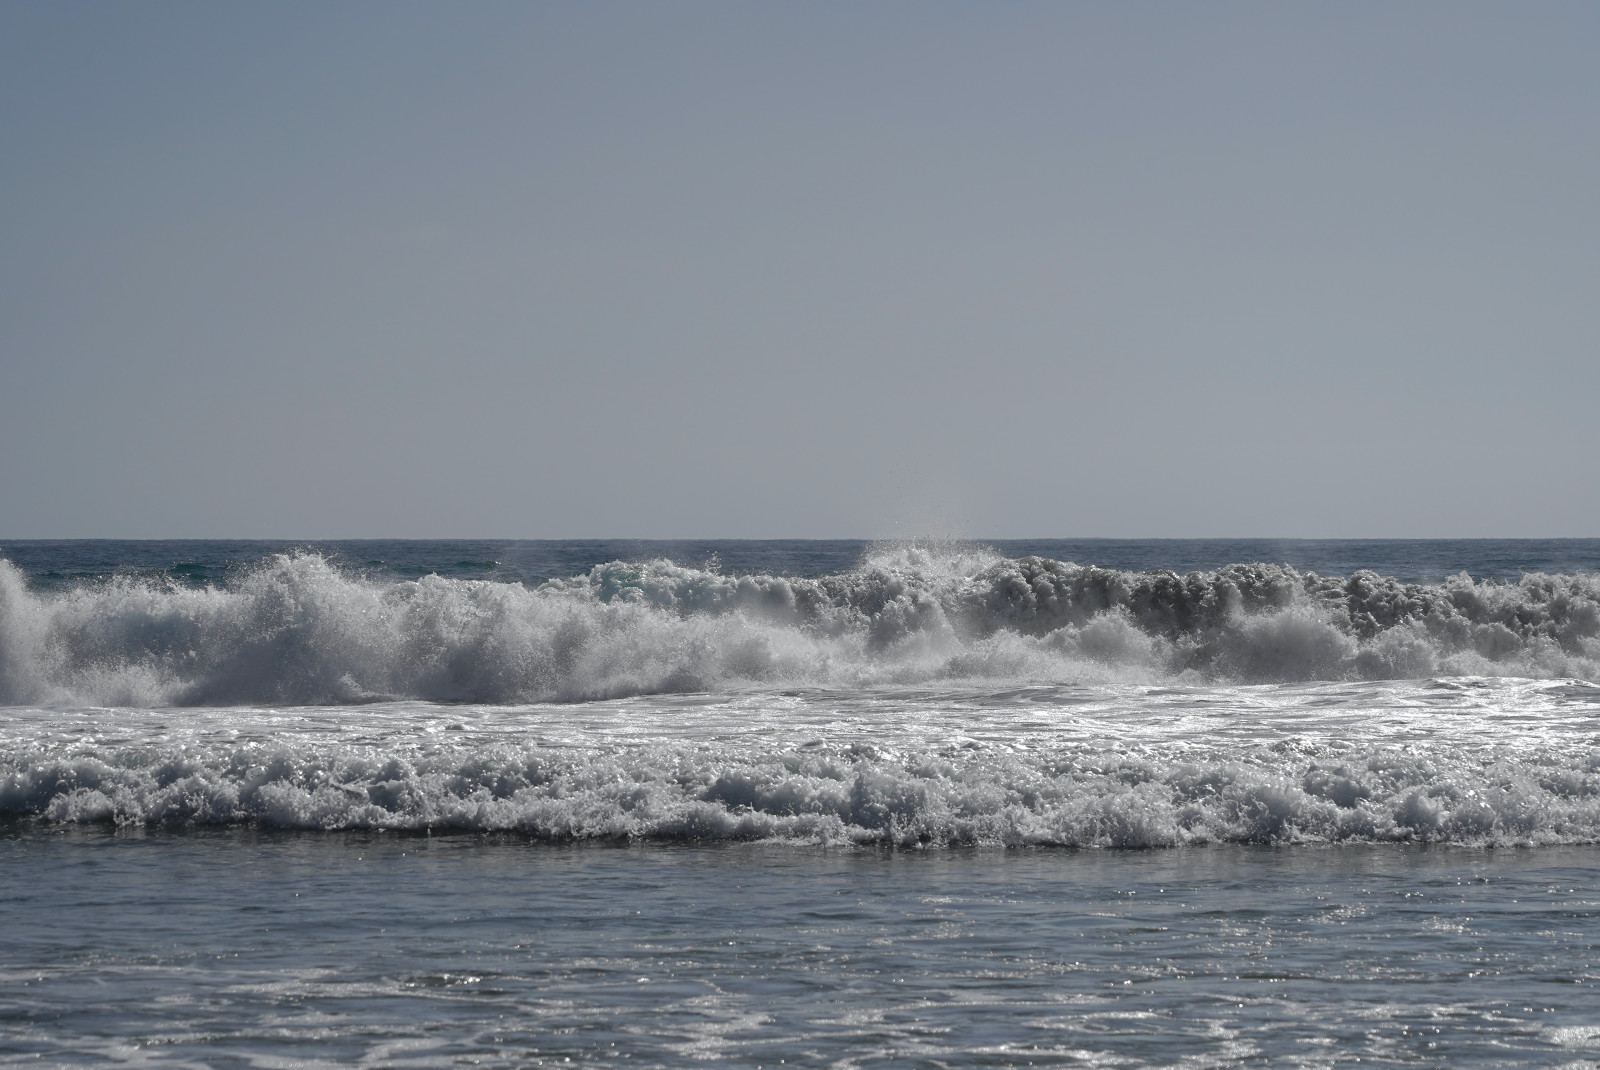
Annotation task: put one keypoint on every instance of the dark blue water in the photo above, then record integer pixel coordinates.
(52, 563)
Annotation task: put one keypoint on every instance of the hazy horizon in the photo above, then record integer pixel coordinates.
(887, 540)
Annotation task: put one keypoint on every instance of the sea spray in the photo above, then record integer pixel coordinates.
(295, 628)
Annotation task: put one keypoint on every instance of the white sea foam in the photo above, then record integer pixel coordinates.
(957, 697)
(296, 629)
(1476, 761)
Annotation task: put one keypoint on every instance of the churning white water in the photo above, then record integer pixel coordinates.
(290, 810)
(296, 629)
(1469, 760)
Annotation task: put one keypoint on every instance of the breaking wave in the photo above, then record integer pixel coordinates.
(297, 629)
(860, 794)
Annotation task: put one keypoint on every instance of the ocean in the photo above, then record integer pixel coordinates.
(1108, 803)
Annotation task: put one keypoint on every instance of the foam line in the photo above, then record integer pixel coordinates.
(855, 795)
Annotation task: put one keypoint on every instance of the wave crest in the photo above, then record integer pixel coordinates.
(298, 630)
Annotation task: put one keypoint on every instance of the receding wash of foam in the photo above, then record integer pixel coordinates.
(296, 628)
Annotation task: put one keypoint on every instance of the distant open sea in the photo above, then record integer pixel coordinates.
(1101, 803)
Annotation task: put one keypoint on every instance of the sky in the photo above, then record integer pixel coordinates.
(665, 270)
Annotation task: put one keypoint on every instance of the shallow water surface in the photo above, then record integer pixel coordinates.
(243, 948)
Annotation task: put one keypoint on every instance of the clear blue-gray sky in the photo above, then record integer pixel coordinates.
(684, 269)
